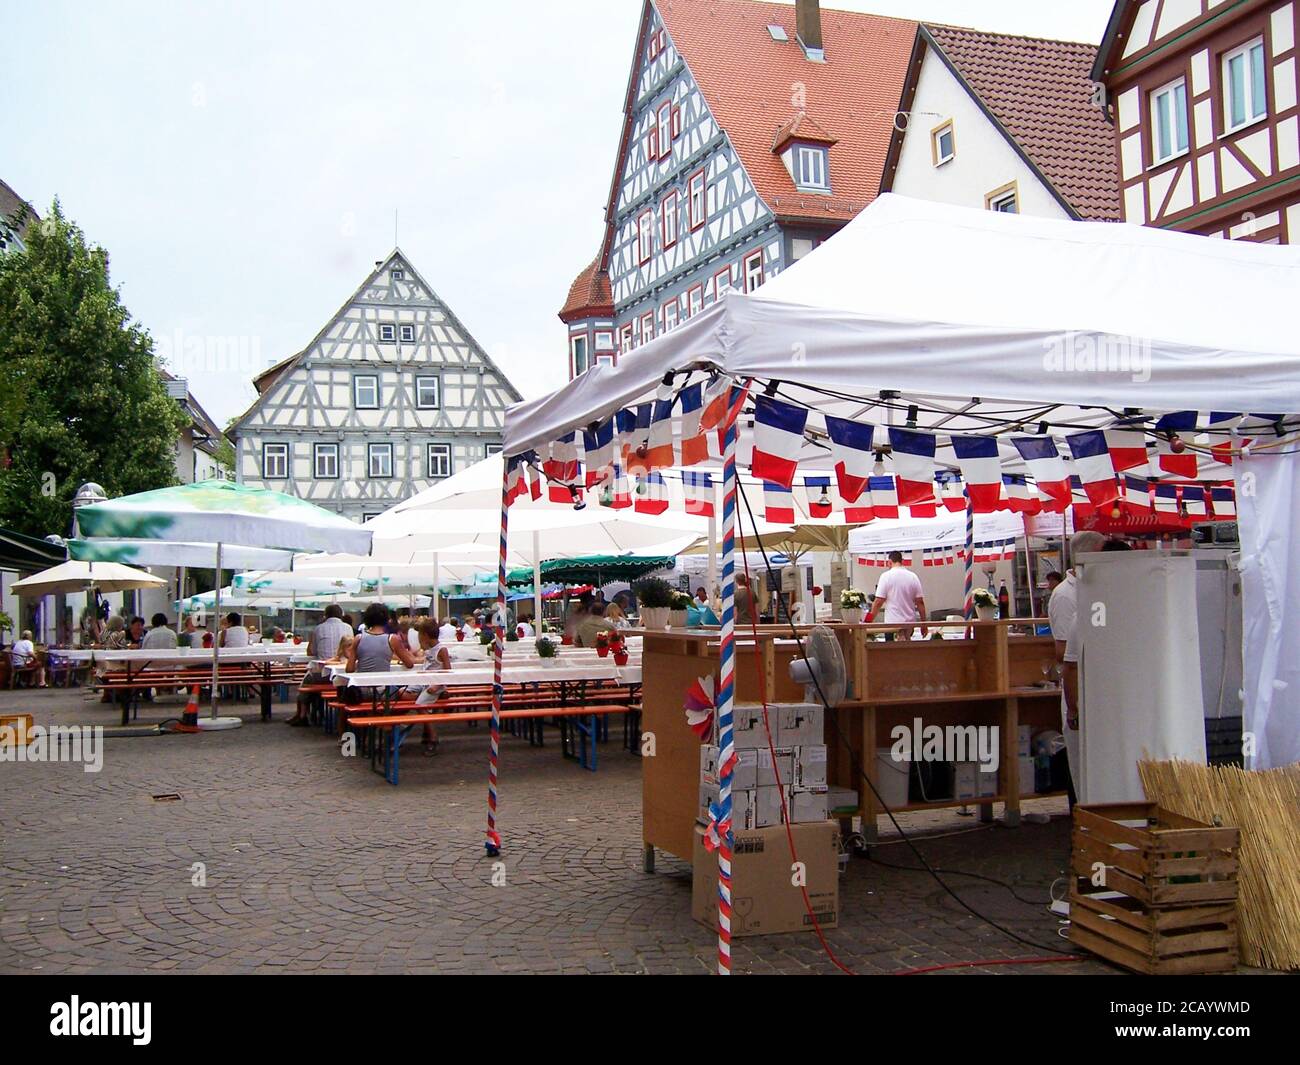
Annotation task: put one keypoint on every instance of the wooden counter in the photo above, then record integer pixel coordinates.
(986, 678)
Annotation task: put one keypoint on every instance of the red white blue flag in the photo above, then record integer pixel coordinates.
(778, 438)
(699, 493)
(853, 456)
(598, 449)
(1093, 463)
(981, 469)
(1223, 500)
(884, 497)
(695, 441)
(820, 503)
(1128, 451)
(1047, 468)
(778, 503)
(914, 466)
(652, 494)
(1170, 429)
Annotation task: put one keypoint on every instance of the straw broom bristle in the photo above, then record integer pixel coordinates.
(1265, 806)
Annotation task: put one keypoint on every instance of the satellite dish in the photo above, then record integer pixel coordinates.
(821, 670)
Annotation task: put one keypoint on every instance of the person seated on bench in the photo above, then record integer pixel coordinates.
(592, 625)
(233, 633)
(160, 635)
(323, 643)
(374, 650)
(23, 657)
(436, 656)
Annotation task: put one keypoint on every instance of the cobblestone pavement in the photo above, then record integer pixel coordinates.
(316, 864)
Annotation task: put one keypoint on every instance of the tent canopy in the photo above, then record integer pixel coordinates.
(594, 569)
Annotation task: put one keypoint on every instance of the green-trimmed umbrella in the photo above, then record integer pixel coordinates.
(594, 569)
(166, 553)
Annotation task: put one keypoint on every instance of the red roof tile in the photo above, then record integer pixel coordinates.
(750, 83)
(801, 128)
(589, 294)
(1041, 93)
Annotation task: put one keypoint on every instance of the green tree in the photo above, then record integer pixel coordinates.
(81, 397)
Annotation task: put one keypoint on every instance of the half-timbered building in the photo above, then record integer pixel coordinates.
(752, 132)
(392, 395)
(1203, 95)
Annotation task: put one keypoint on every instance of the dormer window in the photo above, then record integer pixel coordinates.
(804, 147)
(810, 167)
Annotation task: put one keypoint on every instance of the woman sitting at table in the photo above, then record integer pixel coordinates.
(374, 650)
(436, 656)
(25, 660)
(614, 613)
(233, 633)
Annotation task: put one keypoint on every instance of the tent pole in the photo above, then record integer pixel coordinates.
(437, 580)
(537, 582)
(712, 573)
(180, 598)
(493, 840)
(216, 635)
(1029, 574)
(969, 586)
(726, 692)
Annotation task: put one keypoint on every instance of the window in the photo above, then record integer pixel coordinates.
(578, 349)
(694, 300)
(1245, 97)
(1169, 121)
(801, 246)
(275, 462)
(668, 219)
(387, 333)
(407, 333)
(607, 359)
(671, 310)
(398, 274)
(696, 205)
(1005, 200)
(428, 393)
(943, 144)
(721, 282)
(492, 449)
(664, 123)
(645, 237)
(439, 460)
(647, 327)
(604, 340)
(365, 392)
(753, 271)
(325, 461)
(677, 122)
(379, 460)
(625, 338)
(810, 168)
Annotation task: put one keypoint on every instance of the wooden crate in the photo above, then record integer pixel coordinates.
(1169, 898)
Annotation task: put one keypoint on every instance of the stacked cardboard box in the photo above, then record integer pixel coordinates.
(776, 783)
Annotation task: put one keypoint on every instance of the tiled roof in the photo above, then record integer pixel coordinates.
(1041, 93)
(589, 294)
(10, 202)
(801, 128)
(750, 83)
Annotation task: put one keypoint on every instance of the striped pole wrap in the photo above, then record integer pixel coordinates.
(493, 840)
(727, 692)
(970, 559)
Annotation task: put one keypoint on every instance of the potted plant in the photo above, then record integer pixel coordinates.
(655, 596)
(852, 603)
(513, 636)
(486, 637)
(986, 605)
(546, 650)
(678, 613)
(618, 647)
(602, 644)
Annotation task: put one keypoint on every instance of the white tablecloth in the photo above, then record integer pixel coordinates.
(511, 674)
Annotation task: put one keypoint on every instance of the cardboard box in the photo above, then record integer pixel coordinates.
(747, 729)
(808, 805)
(744, 804)
(965, 782)
(764, 901)
(709, 761)
(986, 783)
(768, 809)
(1025, 774)
(768, 767)
(800, 724)
(809, 765)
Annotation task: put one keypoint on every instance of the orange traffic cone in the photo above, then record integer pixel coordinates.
(190, 718)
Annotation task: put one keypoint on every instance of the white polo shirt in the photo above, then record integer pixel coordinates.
(1063, 614)
(900, 588)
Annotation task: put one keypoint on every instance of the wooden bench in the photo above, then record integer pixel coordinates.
(398, 727)
(128, 686)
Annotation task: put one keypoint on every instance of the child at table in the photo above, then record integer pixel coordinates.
(436, 656)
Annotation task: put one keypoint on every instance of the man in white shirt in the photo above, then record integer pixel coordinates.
(160, 636)
(323, 644)
(1063, 614)
(234, 634)
(900, 595)
(447, 631)
(525, 627)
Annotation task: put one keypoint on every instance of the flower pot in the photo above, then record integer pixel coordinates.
(655, 617)
(566, 640)
(460, 635)
(851, 615)
(986, 613)
(620, 658)
(677, 619)
(602, 650)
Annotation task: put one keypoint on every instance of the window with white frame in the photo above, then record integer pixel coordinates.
(439, 460)
(1005, 200)
(694, 300)
(801, 246)
(1169, 135)
(379, 460)
(398, 274)
(625, 338)
(325, 461)
(696, 201)
(387, 332)
(428, 393)
(365, 392)
(753, 271)
(671, 311)
(492, 449)
(810, 170)
(604, 340)
(647, 327)
(1245, 91)
(668, 219)
(275, 462)
(943, 144)
(407, 333)
(645, 237)
(664, 121)
(721, 282)
(578, 348)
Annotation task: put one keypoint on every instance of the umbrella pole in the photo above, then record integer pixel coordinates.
(726, 694)
(537, 582)
(1029, 574)
(493, 840)
(713, 557)
(437, 579)
(216, 635)
(180, 599)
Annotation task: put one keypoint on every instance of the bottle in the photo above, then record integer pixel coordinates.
(1004, 601)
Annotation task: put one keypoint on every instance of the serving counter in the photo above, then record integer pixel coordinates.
(989, 676)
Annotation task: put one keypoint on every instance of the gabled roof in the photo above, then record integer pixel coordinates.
(589, 295)
(1038, 94)
(801, 128)
(11, 203)
(207, 435)
(749, 80)
(1102, 56)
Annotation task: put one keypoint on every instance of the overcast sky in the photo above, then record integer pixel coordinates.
(243, 162)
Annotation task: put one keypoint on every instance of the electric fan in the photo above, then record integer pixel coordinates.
(821, 668)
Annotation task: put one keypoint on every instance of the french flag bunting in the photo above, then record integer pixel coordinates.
(659, 453)
(1183, 421)
(927, 557)
(516, 479)
(951, 491)
(1166, 499)
(951, 558)
(1222, 427)
(1092, 460)
(1194, 501)
(1223, 500)
(598, 450)
(820, 503)
(652, 494)
(778, 438)
(1128, 451)
(981, 469)
(914, 467)
(852, 454)
(884, 497)
(1137, 495)
(722, 399)
(861, 512)
(695, 441)
(778, 503)
(1047, 468)
(561, 462)
(1009, 551)
(637, 442)
(1020, 498)
(618, 495)
(699, 493)
(924, 510)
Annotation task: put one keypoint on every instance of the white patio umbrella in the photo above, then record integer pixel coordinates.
(217, 514)
(75, 576)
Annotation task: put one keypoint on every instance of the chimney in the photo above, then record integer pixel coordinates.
(808, 24)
